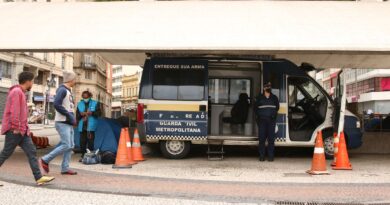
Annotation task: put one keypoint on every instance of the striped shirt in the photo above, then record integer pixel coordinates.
(15, 112)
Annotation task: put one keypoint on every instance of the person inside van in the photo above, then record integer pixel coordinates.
(239, 112)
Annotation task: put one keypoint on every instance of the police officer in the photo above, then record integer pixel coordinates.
(267, 106)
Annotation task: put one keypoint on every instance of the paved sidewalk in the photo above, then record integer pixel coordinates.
(16, 170)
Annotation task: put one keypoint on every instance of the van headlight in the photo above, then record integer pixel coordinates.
(358, 124)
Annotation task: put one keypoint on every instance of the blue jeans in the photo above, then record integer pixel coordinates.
(64, 147)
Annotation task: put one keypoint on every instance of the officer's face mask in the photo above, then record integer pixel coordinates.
(86, 100)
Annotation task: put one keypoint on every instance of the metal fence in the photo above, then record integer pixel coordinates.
(376, 122)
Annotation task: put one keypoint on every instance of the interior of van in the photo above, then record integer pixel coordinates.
(307, 107)
(229, 83)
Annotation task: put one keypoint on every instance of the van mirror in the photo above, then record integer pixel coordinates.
(307, 67)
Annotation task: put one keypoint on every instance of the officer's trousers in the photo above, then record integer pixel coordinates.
(266, 133)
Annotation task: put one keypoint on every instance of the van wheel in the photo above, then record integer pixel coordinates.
(328, 146)
(175, 149)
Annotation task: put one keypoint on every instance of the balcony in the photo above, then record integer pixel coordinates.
(88, 65)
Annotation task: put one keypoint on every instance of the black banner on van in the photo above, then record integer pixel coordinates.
(183, 64)
(176, 123)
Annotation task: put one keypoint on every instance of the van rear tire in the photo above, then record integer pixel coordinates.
(175, 149)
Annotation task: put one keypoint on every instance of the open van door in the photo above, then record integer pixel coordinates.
(339, 103)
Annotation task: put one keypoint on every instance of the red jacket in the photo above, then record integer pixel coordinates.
(15, 112)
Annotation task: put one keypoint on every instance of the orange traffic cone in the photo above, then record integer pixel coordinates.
(342, 162)
(336, 148)
(128, 145)
(122, 160)
(40, 142)
(318, 165)
(137, 150)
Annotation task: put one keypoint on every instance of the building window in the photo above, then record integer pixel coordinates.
(5, 69)
(63, 62)
(45, 56)
(39, 79)
(87, 60)
(60, 80)
(88, 75)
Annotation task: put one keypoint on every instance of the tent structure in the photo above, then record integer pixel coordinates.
(106, 136)
(323, 33)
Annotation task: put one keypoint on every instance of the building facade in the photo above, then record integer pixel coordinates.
(92, 71)
(366, 89)
(117, 75)
(130, 90)
(48, 69)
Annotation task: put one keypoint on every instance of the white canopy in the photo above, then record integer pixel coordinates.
(326, 34)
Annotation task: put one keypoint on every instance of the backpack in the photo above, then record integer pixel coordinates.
(108, 157)
(91, 157)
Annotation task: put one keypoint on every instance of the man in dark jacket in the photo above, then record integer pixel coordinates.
(267, 106)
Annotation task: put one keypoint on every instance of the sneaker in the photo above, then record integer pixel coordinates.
(44, 180)
(270, 159)
(69, 172)
(44, 165)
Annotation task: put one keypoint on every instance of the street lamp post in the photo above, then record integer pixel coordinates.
(50, 83)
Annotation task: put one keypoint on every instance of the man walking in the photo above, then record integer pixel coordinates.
(267, 106)
(88, 111)
(64, 122)
(16, 129)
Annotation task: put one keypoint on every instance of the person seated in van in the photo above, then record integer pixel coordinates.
(239, 112)
(88, 111)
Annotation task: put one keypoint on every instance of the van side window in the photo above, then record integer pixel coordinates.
(226, 91)
(177, 84)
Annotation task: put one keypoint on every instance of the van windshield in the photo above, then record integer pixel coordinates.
(179, 84)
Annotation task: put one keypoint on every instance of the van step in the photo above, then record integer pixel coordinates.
(215, 150)
(241, 143)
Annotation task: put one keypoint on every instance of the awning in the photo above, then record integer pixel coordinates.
(326, 33)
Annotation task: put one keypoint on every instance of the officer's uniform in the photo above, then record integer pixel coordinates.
(266, 111)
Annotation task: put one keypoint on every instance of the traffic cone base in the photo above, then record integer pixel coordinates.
(342, 162)
(317, 172)
(318, 166)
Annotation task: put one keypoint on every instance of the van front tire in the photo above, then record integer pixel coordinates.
(175, 149)
(328, 145)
